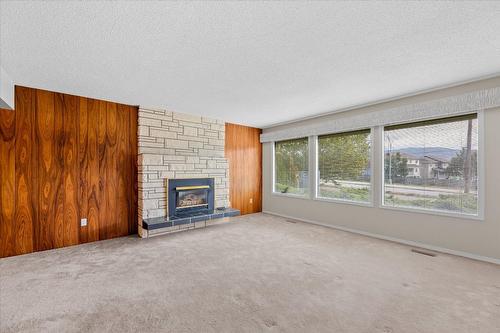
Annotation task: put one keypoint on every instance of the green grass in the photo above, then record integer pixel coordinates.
(463, 203)
(459, 203)
(345, 193)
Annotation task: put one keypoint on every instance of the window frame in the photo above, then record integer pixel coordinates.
(371, 196)
(305, 196)
(377, 156)
(480, 174)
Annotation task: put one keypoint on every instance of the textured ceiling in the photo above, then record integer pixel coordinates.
(255, 63)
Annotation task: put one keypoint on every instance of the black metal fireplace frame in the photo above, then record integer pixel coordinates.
(173, 184)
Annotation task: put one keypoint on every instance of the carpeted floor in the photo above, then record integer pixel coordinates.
(256, 273)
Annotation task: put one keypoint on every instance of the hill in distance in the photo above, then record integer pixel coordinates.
(439, 152)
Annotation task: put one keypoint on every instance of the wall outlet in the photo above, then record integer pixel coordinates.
(251, 200)
(83, 222)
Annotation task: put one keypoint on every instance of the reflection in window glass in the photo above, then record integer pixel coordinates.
(433, 165)
(344, 166)
(292, 166)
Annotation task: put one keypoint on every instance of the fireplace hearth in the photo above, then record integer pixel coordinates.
(190, 206)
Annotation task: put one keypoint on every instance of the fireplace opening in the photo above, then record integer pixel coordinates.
(192, 196)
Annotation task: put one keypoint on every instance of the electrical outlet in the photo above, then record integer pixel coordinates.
(83, 222)
(251, 200)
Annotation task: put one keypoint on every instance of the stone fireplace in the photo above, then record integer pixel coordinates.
(180, 147)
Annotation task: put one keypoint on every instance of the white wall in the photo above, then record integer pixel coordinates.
(479, 238)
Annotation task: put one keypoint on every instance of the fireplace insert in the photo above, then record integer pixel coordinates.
(190, 197)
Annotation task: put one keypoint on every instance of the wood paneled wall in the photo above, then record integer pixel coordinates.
(244, 153)
(64, 158)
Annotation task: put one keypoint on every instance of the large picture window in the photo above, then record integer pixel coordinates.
(292, 166)
(344, 171)
(433, 165)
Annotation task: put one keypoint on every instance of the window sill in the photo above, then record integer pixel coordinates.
(434, 212)
(290, 195)
(347, 202)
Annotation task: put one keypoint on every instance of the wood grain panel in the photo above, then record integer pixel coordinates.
(83, 168)
(64, 158)
(111, 170)
(70, 170)
(102, 149)
(93, 176)
(50, 228)
(25, 177)
(58, 171)
(122, 170)
(244, 153)
(7, 182)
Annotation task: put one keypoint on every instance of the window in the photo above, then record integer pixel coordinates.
(291, 158)
(344, 166)
(444, 158)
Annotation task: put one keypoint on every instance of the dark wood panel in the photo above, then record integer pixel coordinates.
(111, 170)
(70, 169)
(83, 168)
(244, 153)
(102, 149)
(58, 171)
(93, 175)
(122, 170)
(25, 177)
(64, 158)
(47, 192)
(7, 182)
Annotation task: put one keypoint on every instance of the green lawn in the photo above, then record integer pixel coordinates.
(463, 203)
(344, 193)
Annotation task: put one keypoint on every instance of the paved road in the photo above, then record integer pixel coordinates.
(405, 189)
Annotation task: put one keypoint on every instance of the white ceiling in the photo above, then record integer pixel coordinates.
(254, 63)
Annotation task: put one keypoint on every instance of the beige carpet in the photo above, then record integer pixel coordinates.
(256, 273)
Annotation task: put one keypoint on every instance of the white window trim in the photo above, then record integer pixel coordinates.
(306, 196)
(313, 165)
(377, 185)
(433, 212)
(371, 198)
(480, 184)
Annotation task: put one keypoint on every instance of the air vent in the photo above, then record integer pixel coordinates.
(290, 221)
(424, 252)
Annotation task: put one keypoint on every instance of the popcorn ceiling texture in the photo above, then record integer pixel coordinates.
(256, 63)
(176, 145)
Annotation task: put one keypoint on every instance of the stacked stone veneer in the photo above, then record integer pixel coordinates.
(176, 145)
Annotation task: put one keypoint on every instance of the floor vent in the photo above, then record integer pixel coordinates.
(424, 252)
(291, 221)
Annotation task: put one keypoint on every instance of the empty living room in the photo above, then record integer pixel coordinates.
(250, 166)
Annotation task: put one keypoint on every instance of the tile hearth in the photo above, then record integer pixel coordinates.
(160, 225)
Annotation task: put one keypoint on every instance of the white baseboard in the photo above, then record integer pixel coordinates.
(393, 239)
